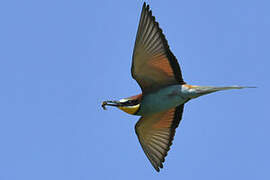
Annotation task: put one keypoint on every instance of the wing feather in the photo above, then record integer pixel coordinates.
(153, 64)
(155, 136)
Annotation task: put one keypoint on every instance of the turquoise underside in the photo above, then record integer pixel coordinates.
(163, 100)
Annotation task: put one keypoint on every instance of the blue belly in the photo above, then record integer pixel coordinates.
(162, 100)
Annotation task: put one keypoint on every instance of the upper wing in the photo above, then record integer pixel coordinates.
(153, 64)
(156, 134)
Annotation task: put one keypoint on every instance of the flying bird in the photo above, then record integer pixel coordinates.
(164, 92)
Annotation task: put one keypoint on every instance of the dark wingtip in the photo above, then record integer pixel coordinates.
(145, 6)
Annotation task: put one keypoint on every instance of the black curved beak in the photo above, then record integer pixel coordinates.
(110, 103)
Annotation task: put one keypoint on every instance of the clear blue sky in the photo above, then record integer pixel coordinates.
(60, 59)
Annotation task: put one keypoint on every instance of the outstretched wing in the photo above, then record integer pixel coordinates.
(156, 133)
(153, 64)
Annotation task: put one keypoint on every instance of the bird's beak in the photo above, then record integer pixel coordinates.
(110, 103)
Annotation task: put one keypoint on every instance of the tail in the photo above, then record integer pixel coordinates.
(202, 90)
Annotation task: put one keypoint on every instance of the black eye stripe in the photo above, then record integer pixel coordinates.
(130, 103)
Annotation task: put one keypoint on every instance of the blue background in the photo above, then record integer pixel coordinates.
(60, 59)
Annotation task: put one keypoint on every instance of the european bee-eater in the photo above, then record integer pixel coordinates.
(164, 92)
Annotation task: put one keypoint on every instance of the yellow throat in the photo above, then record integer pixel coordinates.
(130, 109)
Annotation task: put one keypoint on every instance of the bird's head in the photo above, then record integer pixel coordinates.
(129, 105)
